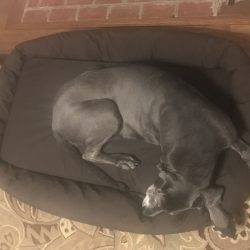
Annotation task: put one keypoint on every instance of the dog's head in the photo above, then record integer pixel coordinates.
(170, 193)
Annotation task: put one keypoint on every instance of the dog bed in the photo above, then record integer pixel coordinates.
(39, 171)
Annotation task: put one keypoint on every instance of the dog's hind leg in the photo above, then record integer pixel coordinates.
(243, 149)
(101, 120)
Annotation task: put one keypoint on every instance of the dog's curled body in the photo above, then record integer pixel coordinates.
(149, 104)
(141, 102)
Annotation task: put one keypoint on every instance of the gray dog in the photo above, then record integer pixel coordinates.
(143, 102)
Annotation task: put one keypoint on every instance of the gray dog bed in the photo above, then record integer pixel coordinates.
(37, 170)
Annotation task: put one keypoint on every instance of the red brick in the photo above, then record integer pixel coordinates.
(158, 10)
(124, 11)
(52, 3)
(35, 16)
(136, 1)
(80, 2)
(63, 15)
(107, 1)
(92, 13)
(33, 3)
(195, 9)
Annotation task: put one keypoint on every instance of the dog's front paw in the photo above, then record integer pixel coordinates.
(127, 162)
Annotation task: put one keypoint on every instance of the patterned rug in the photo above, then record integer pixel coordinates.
(23, 227)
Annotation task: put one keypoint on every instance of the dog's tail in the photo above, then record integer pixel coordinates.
(243, 149)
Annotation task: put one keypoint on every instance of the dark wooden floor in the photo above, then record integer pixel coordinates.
(236, 28)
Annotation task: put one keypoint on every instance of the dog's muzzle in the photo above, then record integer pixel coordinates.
(152, 202)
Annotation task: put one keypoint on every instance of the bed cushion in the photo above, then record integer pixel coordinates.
(38, 170)
(29, 143)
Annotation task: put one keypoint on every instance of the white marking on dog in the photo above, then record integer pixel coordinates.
(154, 197)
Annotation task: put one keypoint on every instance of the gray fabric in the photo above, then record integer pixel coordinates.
(96, 203)
(29, 143)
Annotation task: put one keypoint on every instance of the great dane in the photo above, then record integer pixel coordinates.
(148, 103)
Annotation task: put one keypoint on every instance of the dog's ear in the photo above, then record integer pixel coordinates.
(221, 219)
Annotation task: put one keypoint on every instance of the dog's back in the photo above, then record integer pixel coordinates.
(147, 99)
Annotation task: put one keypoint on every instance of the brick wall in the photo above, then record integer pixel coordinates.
(80, 10)
(103, 12)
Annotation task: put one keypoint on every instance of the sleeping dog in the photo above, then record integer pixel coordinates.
(144, 102)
